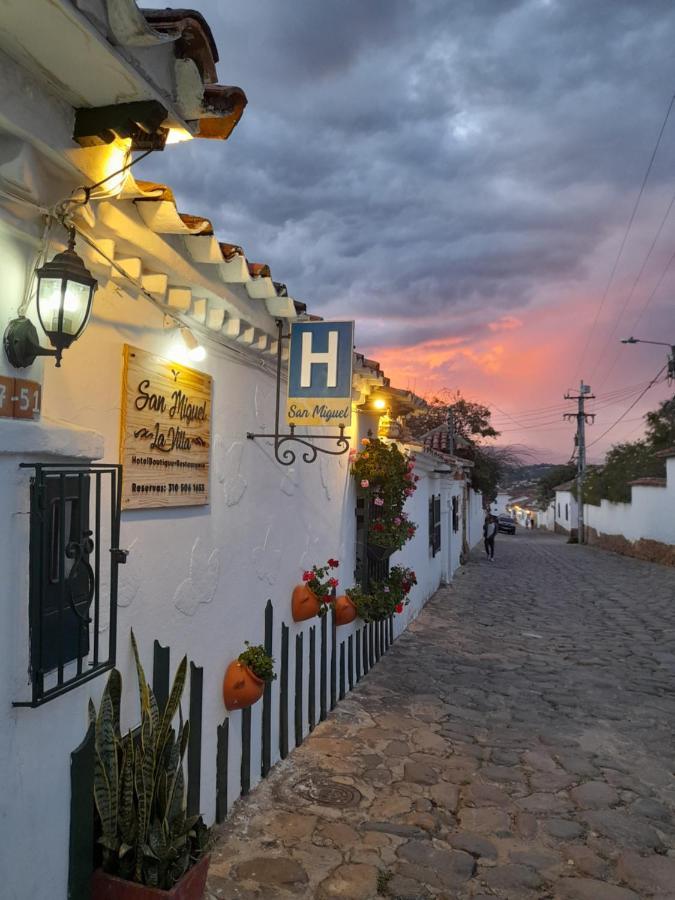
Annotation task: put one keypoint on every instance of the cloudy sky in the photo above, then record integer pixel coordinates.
(458, 176)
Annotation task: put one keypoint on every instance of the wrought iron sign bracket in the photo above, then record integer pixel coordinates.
(283, 453)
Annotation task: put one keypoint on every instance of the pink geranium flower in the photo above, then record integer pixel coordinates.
(379, 501)
(365, 483)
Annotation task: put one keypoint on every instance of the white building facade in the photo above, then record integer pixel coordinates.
(199, 579)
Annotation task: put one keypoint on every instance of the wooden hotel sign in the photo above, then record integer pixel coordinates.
(165, 433)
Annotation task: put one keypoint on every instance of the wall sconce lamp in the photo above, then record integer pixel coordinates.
(196, 351)
(379, 404)
(64, 298)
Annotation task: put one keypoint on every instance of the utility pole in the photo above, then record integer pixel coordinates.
(583, 418)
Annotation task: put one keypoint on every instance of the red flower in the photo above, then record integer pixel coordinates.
(399, 607)
(333, 563)
(378, 526)
(411, 532)
(307, 576)
(333, 582)
(417, 477)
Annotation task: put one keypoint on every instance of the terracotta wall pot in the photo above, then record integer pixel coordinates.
(345, 611)
(241, 687)
(190, 887)
(304, 603)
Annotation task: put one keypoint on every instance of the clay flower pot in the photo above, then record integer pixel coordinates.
(345, 611)
(304, 603)
(241, 687)
(190, 887)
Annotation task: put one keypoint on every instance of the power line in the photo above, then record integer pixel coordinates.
(533, 421)
(626, 233)
(632, 406)
(649, 299)
(639, 275)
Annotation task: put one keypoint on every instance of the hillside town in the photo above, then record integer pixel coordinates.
(321, 581)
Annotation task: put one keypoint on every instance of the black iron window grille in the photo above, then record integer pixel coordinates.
(455, 514)
(372, 561)
(74, 558)
(435, 524)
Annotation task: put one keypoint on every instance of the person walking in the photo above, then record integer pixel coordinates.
(489, 534)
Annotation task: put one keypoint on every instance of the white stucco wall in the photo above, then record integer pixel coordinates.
(565, 503)
(197, 579)
(650, 514)
(498, 507)
(546, 517)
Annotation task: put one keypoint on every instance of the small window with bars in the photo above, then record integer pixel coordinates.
(435, 524)
(74, 557)
(455, 514)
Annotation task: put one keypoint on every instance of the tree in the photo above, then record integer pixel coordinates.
(554, 477)
(660, 431)
(628, 461)
(469, 420)
(623, 464)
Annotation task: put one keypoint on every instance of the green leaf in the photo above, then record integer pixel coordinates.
(172, 704)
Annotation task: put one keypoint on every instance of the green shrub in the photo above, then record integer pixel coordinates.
(258, 661)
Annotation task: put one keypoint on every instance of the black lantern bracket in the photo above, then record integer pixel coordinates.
(22, 344)
(283, 453)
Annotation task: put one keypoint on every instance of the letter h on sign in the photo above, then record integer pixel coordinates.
(311, 358)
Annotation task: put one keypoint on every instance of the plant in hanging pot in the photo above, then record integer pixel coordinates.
(371, 606)
(382, 469)
(246, 676)
(384, 598)
(388, 533)
(400, 581)
(345, 611)
(315, 595)
(150, 848)
(385, 478)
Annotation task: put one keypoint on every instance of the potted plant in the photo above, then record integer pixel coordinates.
(314, 596)
(245, 677)
(150, 847)
(384, 598)
(385, 477)
(388, 532)
(345, 611)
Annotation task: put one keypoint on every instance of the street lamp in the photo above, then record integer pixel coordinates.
(671, 358)
(64, 298)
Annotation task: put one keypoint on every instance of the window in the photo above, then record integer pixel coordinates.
(435, 524)
(74, 555)
(558, 509)
(455, 514)
(372, 562)
(567, 511)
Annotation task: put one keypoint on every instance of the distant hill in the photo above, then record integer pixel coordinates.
(524, 476)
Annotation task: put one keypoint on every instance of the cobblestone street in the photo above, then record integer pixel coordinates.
(516, 742)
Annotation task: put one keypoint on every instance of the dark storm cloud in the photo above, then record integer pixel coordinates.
(437, 164)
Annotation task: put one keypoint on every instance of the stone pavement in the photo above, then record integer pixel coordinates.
(516, 742)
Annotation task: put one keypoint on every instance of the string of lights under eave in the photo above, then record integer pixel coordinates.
(62, 212)
(240, 355)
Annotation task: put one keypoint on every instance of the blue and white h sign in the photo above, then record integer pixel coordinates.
(320, 373)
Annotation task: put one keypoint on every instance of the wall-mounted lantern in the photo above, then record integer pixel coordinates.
(64, 298)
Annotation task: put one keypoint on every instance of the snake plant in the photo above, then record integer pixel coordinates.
(139, 786)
